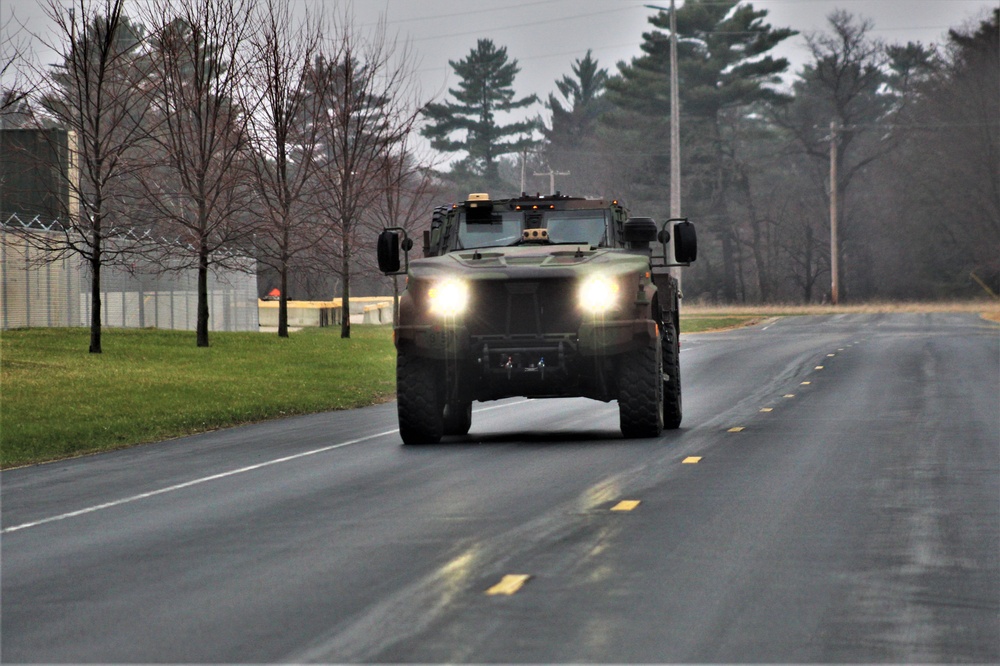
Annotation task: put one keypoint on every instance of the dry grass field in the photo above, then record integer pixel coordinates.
(989, 309)
(702, 318)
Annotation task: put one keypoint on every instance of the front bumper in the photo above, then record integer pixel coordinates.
(453, 341)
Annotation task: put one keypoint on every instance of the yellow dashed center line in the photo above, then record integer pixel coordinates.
(509, 584)
(512, 583)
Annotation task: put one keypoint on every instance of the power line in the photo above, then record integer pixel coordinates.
(438, 17)
(521, 25)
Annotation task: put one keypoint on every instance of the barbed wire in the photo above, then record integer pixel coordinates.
(38, 223)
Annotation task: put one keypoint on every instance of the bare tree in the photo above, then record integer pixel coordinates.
(370, 111)
(285, 133)
(16, 87)
(93, 96)
(945, 179)
(844, 83)
(195, 186)
(409, 189)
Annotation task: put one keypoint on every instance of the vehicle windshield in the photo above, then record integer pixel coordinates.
(504, 229)
(577, 226)
(564, 226)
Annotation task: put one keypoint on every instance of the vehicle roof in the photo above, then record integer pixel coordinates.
(543, 202)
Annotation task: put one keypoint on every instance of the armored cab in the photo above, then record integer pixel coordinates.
(537, 296)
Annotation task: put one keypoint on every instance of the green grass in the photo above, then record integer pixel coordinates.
(57, 400)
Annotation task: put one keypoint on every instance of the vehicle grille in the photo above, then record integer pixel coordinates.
(523, 308)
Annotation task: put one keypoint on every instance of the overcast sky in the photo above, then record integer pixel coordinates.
(546, 36)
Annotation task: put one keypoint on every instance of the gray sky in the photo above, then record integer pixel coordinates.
(546, 36)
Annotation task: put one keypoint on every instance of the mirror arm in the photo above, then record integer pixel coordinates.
(406, 246)
(664, 232)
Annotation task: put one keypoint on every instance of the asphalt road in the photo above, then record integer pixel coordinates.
(856, 521)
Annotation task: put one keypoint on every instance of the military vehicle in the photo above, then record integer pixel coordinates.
(537, 296)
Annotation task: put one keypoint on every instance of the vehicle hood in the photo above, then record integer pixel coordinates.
(529, 262)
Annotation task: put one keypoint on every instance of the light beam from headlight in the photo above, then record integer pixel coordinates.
(598, 294)
(448, 298)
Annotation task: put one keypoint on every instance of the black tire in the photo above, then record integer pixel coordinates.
(419, 399)
(457, 418)
(437, 221)
(437, 217)
(672, 411)
(640, 393)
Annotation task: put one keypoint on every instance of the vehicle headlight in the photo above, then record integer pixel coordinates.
(448, 298)
(598, 294)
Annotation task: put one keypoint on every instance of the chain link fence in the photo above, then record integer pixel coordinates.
(37, 290)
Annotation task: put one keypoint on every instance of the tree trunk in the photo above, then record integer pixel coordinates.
(763, 273)
(203, 297)
(720, 216)
(759, 256)
(808, 273)
(728, 272)
(95, 294)
(283, 296)
(345, 301)
(283, 302)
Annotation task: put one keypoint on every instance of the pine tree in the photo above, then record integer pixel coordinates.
(723, 67)
(485, 89)
(574, 126)
(583, 95)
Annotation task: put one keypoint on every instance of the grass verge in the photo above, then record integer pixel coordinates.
(700, 318)
(697, 309)
(56, 400)
(709, 322)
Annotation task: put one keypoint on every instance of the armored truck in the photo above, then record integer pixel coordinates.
(537, 296)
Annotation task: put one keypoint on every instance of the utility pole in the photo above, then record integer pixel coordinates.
(675, 126)
(675, 131)
(552, 178)
(675, 121)
(834, 195)
(524, 158)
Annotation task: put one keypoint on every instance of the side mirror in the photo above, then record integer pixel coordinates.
(388, 251)
(685, 242)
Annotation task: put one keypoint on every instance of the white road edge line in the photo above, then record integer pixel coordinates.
(206, 479)
(188, 484)
(509, 404)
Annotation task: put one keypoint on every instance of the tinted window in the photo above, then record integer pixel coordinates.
(504, 229)
(565, 226)
(577, 226)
